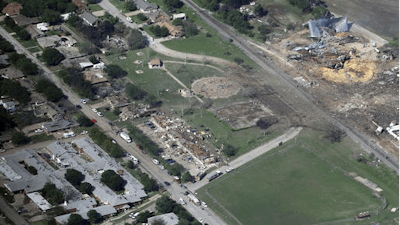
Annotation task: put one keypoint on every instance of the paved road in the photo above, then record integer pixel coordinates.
(146, 163)
(286, 88)
(288, 135)
(10, 212)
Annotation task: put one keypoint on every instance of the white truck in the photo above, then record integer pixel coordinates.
(70, 134)
(125, 136)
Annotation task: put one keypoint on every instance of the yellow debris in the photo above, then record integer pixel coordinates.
(354, 70)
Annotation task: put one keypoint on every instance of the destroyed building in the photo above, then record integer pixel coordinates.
(338, 24)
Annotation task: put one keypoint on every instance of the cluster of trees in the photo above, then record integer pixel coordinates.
(130, 6)
(48, 10)
(334, 134)
(265, 123)
(112, 180)
(141, 17)
(52, 194)
(148, 183)
(52, 56)
(173, 4)
(6, 46)
(189, 27)
(22, 63)
(21, 33)
(6, 120)
(233, 17)
(75, 177)
(74, 78)
(76, 219)
(105, 143)
(136, 40)
(115, 71)
(167, 205)
(15, 90)
(19, 138)
(50, 90)
(84, 121)
(142, 217)
(186, 177)
(159, 31)
(230, 150)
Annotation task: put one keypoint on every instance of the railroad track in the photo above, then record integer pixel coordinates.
(268, 65)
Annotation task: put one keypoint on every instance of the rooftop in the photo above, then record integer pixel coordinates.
(12, 9)
(60, 124)
(169, 219)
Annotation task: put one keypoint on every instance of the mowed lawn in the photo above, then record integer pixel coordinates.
(293, 187)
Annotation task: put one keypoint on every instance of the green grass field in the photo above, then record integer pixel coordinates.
(95, 7)
(189, 73)
(245, 139)
(303, 184)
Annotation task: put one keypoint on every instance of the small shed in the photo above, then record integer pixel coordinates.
(155, 63)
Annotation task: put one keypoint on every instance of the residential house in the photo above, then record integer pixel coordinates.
(145, 6)
(12, 9)
(155, 63)
(89, 19)
(22, 20)
(49, 41)
(3, 60)
(11, 73)
(58, 125)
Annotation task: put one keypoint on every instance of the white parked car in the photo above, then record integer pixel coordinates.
(94, 110)
(182, 201)
(38, 131)
(155, 161)
(113, 141)
(201, 220)
(162, 167)
(100, 114)
(204, 204)
(229, 170)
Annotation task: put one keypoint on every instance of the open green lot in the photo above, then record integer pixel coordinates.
(244, 139)
(95, 7)
(189, 73)
(303, 183)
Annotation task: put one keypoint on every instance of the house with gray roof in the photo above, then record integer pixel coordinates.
(58, 125)
(11, 73)
(104, 211)
(168, 218)
(145, 6)
(89, 19)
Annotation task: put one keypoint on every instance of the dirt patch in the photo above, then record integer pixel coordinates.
(354, 70)
(244, 114)
(215, 87)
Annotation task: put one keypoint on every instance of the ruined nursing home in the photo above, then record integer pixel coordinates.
(337, 24)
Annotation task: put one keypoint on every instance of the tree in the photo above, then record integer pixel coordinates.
(51, 16)
(173, 4)
(52, 92)
(265, 123)
(134, 92)
(319, 12)
(52, 56)
(5, 119)
(130, 6)
(141, 17)
(165, 204)
(259, 10)
(186, 177)
(112, 180)
(19, 138)
(136, 40)
(334, 134)
(229, 150)
(159, 31)
(142, 217)
(115, 71)
(94, 216)
(190, 29)
(73, 176)
(130, 164)
(84, 121)
(76, 219)
(52, 195)
(86, 188)
(23, 35)
(93, 59)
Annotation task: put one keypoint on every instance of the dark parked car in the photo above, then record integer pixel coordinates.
(79, 106)
(169, 173)
(167, 183)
